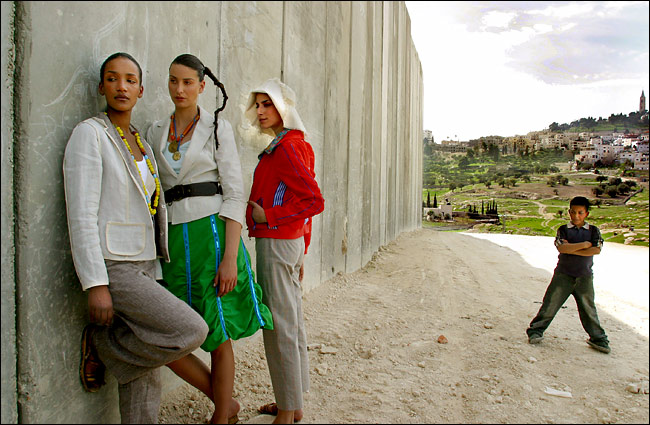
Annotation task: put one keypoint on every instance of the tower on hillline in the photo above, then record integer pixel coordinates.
(642, 103)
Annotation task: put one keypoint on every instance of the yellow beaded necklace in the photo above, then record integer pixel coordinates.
(153, 173)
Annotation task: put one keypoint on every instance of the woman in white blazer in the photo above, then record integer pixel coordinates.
(210, 267)
(117, 221)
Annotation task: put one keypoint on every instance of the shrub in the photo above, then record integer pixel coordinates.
(612, 191)
(623, 188)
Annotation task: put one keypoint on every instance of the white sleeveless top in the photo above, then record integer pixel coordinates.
(149, 181)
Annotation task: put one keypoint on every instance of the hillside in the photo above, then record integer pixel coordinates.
(534, 207)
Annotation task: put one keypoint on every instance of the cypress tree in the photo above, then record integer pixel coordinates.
(428, 199)
(435, 201)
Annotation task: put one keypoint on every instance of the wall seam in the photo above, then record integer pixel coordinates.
(284, 34)
(220, 50)
(11, 66)
(323, 272)
(347, 191)
(20, 33)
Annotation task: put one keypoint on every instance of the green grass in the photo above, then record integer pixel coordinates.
(522, 215)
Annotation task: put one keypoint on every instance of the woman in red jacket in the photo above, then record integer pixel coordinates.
(284, 197)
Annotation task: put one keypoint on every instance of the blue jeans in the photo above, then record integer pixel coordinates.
(561, 286)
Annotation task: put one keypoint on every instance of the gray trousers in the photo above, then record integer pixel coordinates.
(151, 327)
(558, 291)
(278, 267)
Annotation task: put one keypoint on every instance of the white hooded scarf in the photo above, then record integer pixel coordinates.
(284, 99)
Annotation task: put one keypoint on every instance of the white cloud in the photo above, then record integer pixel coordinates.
(498, 19)
(566, 11)
(518, 66)
(542, 28)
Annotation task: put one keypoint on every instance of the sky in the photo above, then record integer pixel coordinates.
(510, 67)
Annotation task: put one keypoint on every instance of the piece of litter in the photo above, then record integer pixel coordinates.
(558, 393)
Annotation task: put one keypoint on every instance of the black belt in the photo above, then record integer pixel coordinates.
(181, 191)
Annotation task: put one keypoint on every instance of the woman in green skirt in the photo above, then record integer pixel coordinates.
(210, 268)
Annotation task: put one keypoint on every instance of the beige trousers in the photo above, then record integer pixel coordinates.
(151, 327)
(278, 267)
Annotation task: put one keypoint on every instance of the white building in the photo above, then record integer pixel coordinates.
(641, 163)
(428, 136)
(629, 155)
(442, 212)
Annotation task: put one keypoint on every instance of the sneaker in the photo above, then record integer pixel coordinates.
(535, 338)
(602, 346)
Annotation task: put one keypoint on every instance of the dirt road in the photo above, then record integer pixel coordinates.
(377, 356)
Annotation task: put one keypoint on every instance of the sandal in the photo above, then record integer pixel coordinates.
(270, 409)
(91, 370)
(233, 419)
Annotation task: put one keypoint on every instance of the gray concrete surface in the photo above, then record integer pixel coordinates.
(8, 290)
(359, 84)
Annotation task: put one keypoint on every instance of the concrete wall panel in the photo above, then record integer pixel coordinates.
(335, 153)
(303, 70)
(359, 92)
(373, 140)
(250, 54)
(8, 289)
(384, 118)
(356, 124)
(62, 90)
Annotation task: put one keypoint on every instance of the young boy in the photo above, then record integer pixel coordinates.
(577, 243)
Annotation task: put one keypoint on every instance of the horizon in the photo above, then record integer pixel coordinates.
(546, 129)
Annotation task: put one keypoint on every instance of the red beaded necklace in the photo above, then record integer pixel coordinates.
(177, 140)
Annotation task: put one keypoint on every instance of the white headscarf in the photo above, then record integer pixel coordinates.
(283, 98)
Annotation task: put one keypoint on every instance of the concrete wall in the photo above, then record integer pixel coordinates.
(8, 290)
(358, 80)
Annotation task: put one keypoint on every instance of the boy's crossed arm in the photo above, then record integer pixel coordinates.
(585, 249)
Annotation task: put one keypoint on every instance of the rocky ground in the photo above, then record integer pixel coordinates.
(432, 330)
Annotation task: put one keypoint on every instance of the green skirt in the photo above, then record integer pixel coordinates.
(196, 249)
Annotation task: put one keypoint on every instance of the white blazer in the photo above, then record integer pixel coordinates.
(202, 164)
(108, 216)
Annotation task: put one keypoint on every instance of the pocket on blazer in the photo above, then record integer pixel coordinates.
(125, 239)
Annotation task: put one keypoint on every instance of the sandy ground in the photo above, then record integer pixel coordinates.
(377, 353)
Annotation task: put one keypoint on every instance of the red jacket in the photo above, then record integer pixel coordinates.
(284, 185)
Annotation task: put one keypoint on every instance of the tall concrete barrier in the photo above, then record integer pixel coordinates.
(358, 80)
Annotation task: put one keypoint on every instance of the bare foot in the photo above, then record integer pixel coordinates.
(288, 416)
(233, 410)
(272, 409)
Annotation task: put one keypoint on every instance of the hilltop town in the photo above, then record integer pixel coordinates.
(590, 148)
